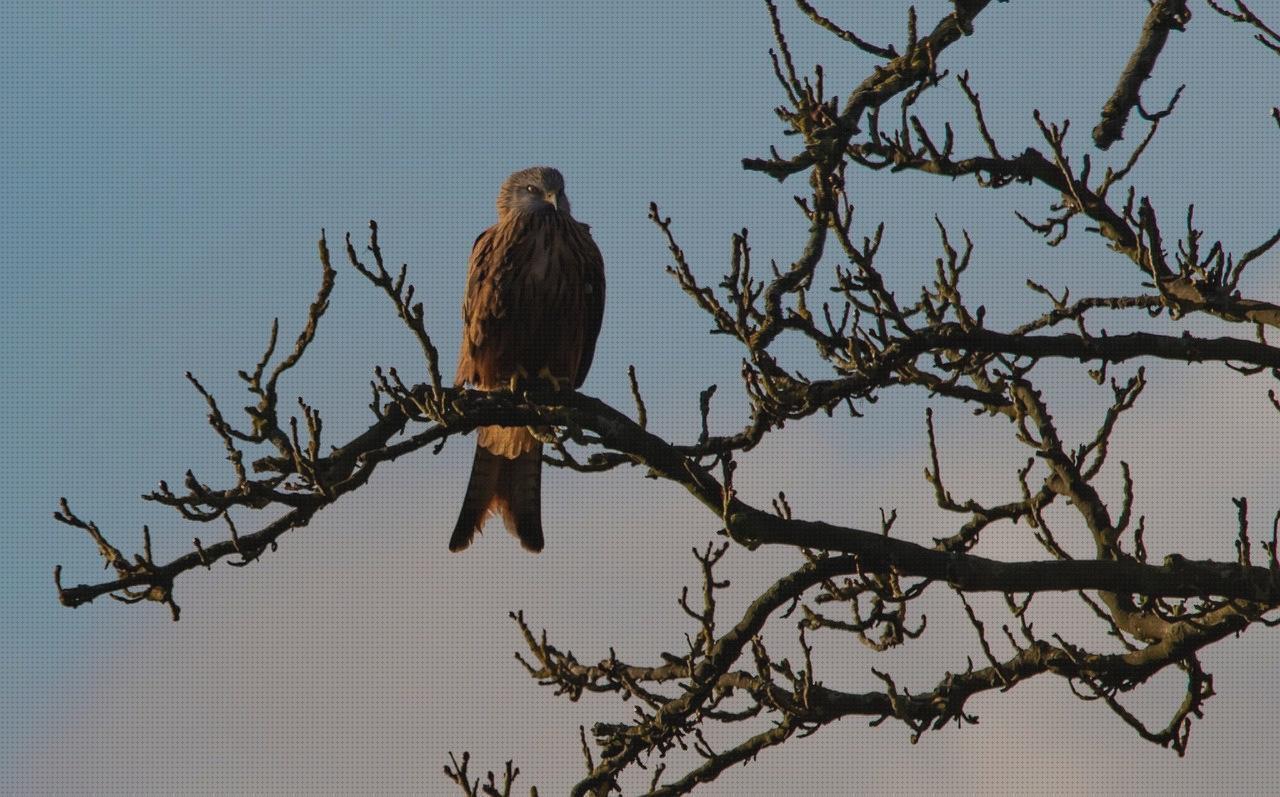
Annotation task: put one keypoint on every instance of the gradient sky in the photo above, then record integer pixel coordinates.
(168, 167)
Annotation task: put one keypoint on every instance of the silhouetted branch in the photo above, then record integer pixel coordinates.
(1267, 35)
(1164, 16)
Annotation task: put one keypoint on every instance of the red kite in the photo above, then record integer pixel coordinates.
(533, 306)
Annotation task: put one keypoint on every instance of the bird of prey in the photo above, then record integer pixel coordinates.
(533, 306)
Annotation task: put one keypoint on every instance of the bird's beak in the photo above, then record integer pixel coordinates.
(554, 200)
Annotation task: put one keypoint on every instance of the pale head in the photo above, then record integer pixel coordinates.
(533, 190)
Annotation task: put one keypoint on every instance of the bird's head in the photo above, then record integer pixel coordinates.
(533, 190)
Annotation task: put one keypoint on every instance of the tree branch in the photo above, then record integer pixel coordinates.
(1165, 15)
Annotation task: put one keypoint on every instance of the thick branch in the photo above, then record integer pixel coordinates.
(351, 466)
(1165, 15)
(1178, 577)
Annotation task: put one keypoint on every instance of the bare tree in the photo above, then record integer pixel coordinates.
(835, 296)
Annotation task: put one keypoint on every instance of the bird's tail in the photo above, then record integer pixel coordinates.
(506, 479)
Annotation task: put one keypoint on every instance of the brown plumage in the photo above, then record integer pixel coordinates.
(534, 302)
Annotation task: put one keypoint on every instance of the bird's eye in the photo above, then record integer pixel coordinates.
(533, 189)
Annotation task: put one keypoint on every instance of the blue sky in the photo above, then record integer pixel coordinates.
(168, 169)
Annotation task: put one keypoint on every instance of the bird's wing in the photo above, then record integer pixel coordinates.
(592, 298)
(492, 307)
(476, 279)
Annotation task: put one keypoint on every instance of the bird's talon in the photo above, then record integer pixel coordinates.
(545, 374)
(521, 376)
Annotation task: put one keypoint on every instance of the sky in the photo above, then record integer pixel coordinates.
(169, 168)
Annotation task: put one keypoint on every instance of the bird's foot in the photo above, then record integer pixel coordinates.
(520, 377)
(556, 381)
